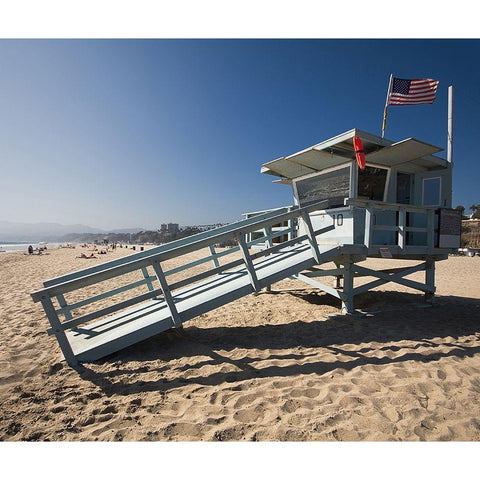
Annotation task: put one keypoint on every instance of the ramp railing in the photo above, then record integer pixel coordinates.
(67, 294)
(400, 225)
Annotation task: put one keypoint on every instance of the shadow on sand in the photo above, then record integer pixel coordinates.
(395, 317)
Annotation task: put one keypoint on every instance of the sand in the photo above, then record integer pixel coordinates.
(280, 366)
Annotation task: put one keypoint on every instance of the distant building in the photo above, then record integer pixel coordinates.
(173, 228)
(163, 227)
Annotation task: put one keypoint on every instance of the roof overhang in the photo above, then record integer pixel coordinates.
(412, 154)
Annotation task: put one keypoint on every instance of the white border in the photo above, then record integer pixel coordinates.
(309, 175)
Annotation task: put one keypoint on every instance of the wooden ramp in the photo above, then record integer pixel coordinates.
(85, 337)
(118, 331)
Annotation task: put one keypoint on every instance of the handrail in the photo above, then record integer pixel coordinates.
(167, 246)
(400, 226)
(182, 283)
(170, 250)
(357, 202)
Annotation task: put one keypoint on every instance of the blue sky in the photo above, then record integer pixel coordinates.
(135, 133)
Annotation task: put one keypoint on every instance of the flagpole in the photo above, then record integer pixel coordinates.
(386, 105)
(450, 125)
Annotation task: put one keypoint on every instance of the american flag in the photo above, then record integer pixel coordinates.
(412, 92)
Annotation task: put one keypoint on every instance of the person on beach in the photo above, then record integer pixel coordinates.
(30, 250)
(82, 255)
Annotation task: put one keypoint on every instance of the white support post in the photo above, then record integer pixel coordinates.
(177, 321)
(248, 262)
(347, 301)
(58, 331)
(430, 278)
(311, 236)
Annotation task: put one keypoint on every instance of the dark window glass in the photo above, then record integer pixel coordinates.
(403, 187)
(332, 186)
(371, 183)
(431, 191)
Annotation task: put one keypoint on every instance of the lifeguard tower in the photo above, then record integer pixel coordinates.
(398, 206)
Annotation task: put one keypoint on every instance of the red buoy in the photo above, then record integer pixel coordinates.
(359, 153)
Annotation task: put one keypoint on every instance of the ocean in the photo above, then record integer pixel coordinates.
(23, 246)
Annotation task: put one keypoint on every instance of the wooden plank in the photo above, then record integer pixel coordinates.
(403, 272)
(368, 226)
(201, 276)
(96, 341)
(214, 256)
(311, 236)
(65, 309)
(177, 321)
(416, 229)
(395, 278)
(146, 276)
(386, 228)
(110, 309)
(387, 206)
(268, 235)
(117, 270)
(248, 261)
(315, 283)
(56, 326)
(104, 295)
(324, 273)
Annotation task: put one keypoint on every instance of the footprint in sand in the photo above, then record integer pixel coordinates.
(441, 374)
(249, 415)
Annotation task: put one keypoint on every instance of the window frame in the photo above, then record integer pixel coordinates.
(314, 174)
(439, 191)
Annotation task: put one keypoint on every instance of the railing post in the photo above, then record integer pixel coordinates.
(291, 228)
(402, 221)
(146, 275)
(268, 232)
(368, 226)
(214, 255)
(63, 303)
(248, 261)
(58, 331)
(311, 235)
(430, 228)
(177, 321)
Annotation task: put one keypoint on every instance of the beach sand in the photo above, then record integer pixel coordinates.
(280, 366)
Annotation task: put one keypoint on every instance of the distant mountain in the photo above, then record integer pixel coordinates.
(127, 230)
(14, 232)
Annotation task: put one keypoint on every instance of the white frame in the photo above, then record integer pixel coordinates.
(439, 191)
(327, 170)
